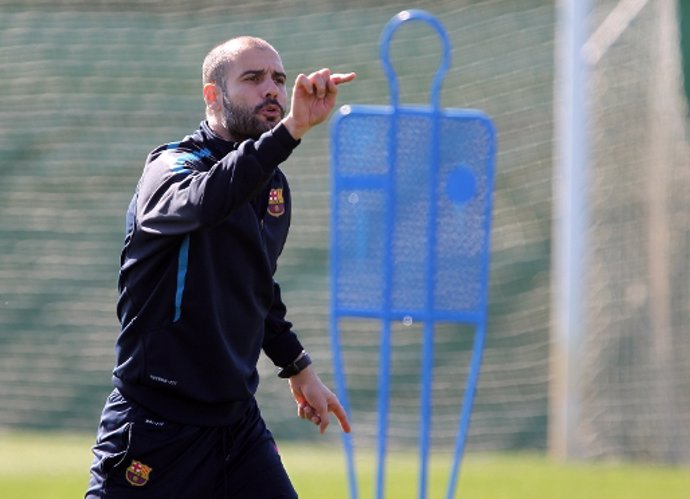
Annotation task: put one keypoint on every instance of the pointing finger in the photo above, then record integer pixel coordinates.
(339, 78)
(340, 413)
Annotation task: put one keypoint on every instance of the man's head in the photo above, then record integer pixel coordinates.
(244, 88)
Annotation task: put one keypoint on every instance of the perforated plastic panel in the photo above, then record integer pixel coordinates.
(387, 218)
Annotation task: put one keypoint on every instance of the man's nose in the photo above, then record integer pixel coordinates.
(271, 89)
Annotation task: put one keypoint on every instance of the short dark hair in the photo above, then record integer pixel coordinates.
(218, 60)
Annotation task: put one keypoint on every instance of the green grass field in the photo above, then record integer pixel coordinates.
(50, 466)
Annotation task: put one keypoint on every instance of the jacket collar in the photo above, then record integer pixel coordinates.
(219, 147)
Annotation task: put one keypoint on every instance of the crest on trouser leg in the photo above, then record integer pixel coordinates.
(138, 473)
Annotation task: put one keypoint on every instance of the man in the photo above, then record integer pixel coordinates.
(198, 302)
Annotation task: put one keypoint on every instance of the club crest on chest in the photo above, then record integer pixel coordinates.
(276, 203)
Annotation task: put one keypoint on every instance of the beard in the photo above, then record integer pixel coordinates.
(244, 123)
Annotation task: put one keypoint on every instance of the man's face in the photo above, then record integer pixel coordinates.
(254, 94)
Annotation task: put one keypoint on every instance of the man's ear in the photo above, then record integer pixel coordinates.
(212, 97)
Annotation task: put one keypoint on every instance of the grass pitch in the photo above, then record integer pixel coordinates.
(55, 466)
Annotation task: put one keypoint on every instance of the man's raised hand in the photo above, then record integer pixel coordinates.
(313, 99)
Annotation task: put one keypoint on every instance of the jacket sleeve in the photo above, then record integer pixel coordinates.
(280, 344)
(175, 198)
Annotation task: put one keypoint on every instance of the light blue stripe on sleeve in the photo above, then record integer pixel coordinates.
(182, 263)
(181, 161)
(177, 162)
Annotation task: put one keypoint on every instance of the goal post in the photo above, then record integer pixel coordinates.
(570, 170)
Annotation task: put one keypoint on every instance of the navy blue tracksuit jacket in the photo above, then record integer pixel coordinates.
(197, 300)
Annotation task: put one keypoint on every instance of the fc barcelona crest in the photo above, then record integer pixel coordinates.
(138, 473)
(276, 203)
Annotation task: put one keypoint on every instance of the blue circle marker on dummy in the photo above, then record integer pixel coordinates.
(461, 185)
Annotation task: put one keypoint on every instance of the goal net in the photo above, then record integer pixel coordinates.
(634, 388)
